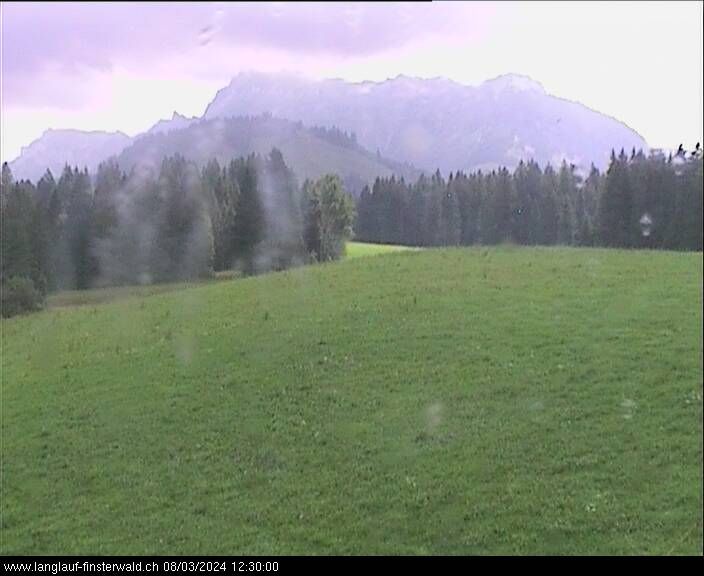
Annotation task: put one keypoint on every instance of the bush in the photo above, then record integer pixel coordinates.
(20, 295)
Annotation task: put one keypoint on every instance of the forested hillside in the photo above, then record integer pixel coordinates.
(640, 202)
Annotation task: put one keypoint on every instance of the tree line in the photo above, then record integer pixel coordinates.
(640, 202)
(171, 223)
(178, 222)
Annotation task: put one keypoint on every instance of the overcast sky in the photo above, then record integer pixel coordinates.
(123, 66)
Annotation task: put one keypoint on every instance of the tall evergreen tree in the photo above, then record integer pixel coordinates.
(566, 192)
(16, 234)
(450, 223)
(283, 240)
(249, 213)
(184, 241)
(616, 214)
(498, 214)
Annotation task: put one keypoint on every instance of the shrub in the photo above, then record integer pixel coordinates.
(20, 295)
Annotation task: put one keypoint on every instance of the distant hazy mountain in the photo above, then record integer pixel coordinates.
(437, 122)
(309, 152)
(430, 124)
(55, 148)
(177, 122)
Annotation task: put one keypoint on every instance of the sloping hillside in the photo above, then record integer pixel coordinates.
(538, 401)
(309, 152)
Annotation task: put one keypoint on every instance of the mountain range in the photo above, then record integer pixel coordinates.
(401, 125)
(438, 123)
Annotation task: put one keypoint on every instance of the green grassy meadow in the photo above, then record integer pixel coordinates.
(110, 294)
(456, 401)
(359, 249)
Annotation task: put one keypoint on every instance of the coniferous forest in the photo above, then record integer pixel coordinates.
(640, 202)
(181, 222)
(174, 223)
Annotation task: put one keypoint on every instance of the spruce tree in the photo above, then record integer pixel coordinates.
(249, 213)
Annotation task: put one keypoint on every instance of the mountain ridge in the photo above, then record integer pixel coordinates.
(309, 151)
(438, 122)
(422, 123)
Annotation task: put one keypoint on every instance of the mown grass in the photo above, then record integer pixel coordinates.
(476, 401)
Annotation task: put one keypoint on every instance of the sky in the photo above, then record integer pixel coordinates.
(124, 66)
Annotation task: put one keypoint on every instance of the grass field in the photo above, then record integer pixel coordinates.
(358, 249)
(477, 401)
(95, 296)
(103, 295)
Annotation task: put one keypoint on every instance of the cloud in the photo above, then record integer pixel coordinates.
(125, 65)
(51, 51)
(46, 43)
(353, 29)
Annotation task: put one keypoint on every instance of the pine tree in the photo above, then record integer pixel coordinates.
(16, 233)
(497, 216)
(6, 183)
(184, 241)
(566, 192)
(616, 215)
(283, 240)
(363, 225)
(311, 210)
(249, 213)
(415, 209)
(527, 183)
(434, 191)
(450, 223)
(220, 192)
(688, 212)
(549, 214)
(73, 254)
(586, 208)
